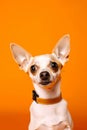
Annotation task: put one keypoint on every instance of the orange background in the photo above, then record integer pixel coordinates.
(37, 25)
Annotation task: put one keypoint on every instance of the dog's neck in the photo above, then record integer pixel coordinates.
(48, 94)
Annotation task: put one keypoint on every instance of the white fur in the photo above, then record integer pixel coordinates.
(53, 116)
(49, 115)
(42, 61)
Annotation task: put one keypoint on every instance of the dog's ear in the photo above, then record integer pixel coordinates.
(21, 56)
(62, 49)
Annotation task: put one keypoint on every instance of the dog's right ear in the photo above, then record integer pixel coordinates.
(20, 56)
(62, 49)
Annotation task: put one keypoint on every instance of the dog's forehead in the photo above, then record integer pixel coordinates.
(42, 59)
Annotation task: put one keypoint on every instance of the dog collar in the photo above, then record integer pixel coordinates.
(45, 101)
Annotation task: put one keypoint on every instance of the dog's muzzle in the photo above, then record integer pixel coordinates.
(46, 81)
(45, 78)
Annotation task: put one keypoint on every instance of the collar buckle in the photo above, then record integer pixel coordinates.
(34, 95)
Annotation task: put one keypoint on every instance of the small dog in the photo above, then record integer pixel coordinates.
(48, 110)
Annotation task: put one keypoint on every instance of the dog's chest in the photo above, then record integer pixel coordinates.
(49, 113)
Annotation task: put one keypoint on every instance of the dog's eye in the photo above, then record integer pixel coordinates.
(54, 66)
(33, 68)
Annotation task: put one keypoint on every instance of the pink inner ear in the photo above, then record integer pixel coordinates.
(23, 63)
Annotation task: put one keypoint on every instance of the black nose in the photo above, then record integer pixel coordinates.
(44, 75)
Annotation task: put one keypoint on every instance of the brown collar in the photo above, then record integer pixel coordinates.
(46, 101)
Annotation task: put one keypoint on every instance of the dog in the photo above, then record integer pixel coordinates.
(49, 110)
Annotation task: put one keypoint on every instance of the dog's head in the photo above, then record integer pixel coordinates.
(43, 69)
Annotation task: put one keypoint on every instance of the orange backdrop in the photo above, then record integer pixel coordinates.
(37, 25)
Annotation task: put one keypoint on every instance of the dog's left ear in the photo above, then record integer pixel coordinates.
(62, 49)
(21, 56)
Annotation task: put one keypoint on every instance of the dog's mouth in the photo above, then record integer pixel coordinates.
(45, 82)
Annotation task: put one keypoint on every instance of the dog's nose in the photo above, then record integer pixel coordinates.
(44, 75)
